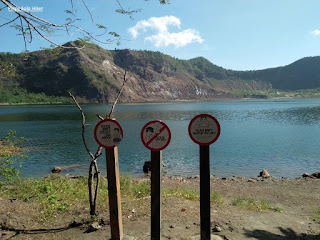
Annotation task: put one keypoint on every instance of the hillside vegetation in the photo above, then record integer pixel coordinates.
(94, 74)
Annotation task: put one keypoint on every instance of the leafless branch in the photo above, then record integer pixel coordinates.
(93, 165)
(101, 118)
(9, 22)
(84, 3)
(120, 5)
(71, 1)
(119, 93)
(83, 125)
(23, 34)
(98, 153)
(97, 185)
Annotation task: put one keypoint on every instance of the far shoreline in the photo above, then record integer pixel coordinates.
(157, 102)
(177, 177)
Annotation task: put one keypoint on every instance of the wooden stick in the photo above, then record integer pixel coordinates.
(114, 193)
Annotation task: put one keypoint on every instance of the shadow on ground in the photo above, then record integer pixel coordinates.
(39, 231)
(287, 234)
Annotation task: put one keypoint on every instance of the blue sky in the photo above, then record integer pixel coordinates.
(234, 34)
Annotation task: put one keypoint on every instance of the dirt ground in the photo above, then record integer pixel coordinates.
(297, 199)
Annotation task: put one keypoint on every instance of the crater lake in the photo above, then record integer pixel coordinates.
(280, 135)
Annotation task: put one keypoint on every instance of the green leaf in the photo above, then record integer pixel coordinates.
(101, 26)
(164, 1)
(121, 11)
(114, 34)
(69, 12)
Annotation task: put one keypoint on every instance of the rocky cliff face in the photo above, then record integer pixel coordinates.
(151, 81)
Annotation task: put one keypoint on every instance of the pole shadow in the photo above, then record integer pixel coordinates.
(287, 234)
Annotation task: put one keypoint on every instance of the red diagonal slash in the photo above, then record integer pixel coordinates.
(161, 130)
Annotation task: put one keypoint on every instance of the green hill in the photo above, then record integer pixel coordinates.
(94, 74)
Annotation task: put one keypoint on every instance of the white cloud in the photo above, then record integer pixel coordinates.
(316, 32)
(163, 37)
(179, 39)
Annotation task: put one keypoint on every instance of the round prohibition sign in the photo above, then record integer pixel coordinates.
(108, 133)
(204, 129)
(155, 135)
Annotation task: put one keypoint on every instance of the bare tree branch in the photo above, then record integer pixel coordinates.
(71, 1)
(23, 34)
(83, 125)
(84, 3)
(9, 22)
(119, 93)
(98, 153)
(93, 169)
(97, 186)
(100, 117)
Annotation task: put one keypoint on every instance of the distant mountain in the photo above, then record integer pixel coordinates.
(95, 74)
(302, 74)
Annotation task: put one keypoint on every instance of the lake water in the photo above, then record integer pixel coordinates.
(282, 136)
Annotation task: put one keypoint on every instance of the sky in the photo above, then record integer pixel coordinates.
(233, 34)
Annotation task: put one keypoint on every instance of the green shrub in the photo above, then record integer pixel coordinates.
(250, 203)
(10, 156)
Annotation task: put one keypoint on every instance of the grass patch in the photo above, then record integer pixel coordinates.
(316, 216)
(250, 203)
(192, 194)
(132, 188)
(57, 194)
(54, 194)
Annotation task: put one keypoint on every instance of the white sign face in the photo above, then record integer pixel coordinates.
(204, 129)
(155, 135)
(108, 133)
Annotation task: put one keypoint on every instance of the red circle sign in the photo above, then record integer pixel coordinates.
(204, 129)
(108, 133)
(155, 135)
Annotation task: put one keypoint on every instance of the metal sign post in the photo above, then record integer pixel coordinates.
(108, 133)
(204, 130)
(205, 212)
(156, 136)
(156, 177)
